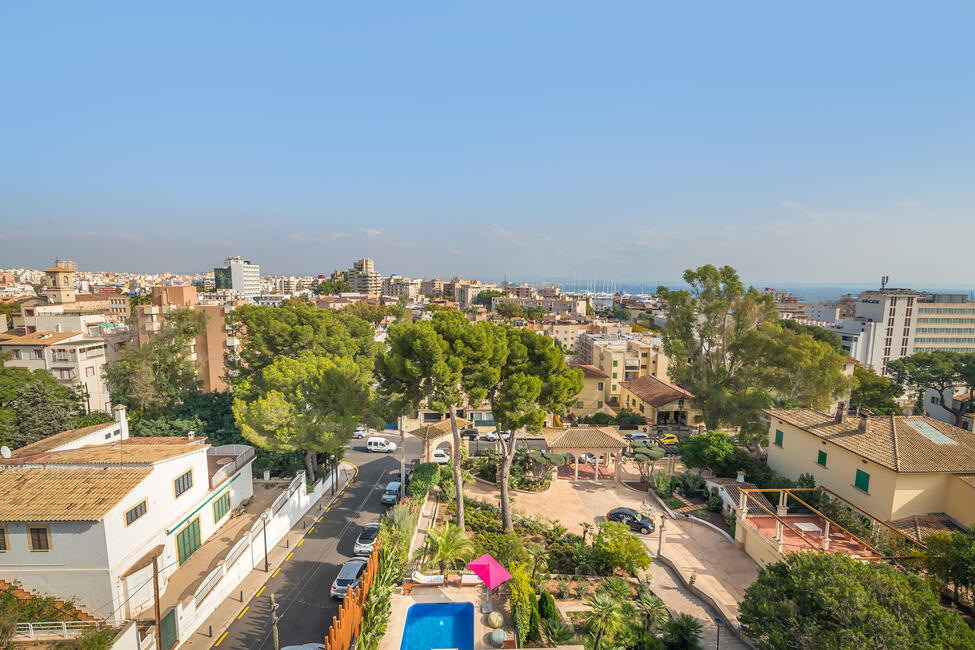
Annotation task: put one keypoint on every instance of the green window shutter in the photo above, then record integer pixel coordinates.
(778, 438)
(614, 375)
(821, 460)
(615, 363)
(188, 540)
(221, 507)
(862, 481)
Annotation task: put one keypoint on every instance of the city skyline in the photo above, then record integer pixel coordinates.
(570, 143)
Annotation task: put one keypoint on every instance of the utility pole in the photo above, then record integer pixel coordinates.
(274, 622)
(155, 590)
(402, 458)
(264, 529)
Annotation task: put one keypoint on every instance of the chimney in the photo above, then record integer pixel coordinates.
(190, 435)
(122, 421)
(741, 476)
(864, 423)
(841, 412)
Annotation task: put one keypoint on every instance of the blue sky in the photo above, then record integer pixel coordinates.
(830, 142)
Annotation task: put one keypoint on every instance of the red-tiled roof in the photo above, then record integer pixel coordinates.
(655, 392)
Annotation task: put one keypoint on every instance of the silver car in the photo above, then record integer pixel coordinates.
(366, 540)
(349, 576)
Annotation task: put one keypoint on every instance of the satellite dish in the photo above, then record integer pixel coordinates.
(5, 451)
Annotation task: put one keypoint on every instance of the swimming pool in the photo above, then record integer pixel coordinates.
(439, 625)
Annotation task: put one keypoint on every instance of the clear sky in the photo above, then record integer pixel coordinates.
(799, 142)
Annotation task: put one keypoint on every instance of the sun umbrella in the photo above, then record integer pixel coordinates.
(489, 571)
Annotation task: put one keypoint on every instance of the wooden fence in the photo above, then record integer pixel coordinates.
(345, 626)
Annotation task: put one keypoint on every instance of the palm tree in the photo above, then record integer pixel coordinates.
(604, 617)
(557, 633)
(683, 632)
(653, 610)
(618, 588)
(539, 557)
(447, 546)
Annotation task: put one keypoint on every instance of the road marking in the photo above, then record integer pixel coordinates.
(275, 572)
(220, 640)
(241, 615)
(260, 591)
(311, 529)
(289, 556)
(300, 542)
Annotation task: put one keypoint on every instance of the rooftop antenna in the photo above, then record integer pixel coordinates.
(884, 279)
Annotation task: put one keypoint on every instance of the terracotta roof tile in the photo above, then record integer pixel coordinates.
(59, 439)
(655, 392)
(895, 442)
(133, 451)
(920, 526)
(582, 438)
(588, 370)
(65, 494)
(437, 429)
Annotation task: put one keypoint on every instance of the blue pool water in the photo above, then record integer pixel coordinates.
(439, 625)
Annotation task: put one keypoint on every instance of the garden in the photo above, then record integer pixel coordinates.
(531, 470)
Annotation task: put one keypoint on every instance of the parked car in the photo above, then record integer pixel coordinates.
(397, 477)
(349, 576)
(360, 433)
(590, 459)
(441, 457)
(305, 646)
(391, 494)
(380, 445)
(470, 434)
(668, 439)
(633, 519)
(366, 540)
(492, 436)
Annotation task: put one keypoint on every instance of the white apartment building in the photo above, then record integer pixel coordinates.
(945, 321)
(401, 287)
(362, 277)
(83, 513)
(74, 359)
(572, 306)
(239, 275)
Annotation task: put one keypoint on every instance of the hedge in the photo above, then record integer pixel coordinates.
(522, 600)
(424, 477)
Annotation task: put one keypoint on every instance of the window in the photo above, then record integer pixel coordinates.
(599, 386)
(37, 354)
(135, 513)
(862, 481)
(39, 537)
(90, 371)
(579, 404)
(821, 459)
(64, 373)
(614, 376)
(614, 388)
(221, 507)
(615, 363)
(16, 354)
(778, 438)
(183, 483)
(3, 539)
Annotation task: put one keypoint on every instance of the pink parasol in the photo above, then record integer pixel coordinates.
(489, 571)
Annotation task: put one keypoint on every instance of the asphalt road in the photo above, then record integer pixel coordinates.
(301, 584)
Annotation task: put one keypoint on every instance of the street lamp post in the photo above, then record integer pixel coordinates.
(720, 623)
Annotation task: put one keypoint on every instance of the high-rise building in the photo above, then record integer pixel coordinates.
(239, 275)
(362, 277)
(945, 321)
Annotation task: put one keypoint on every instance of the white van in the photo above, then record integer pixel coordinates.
(381, 445)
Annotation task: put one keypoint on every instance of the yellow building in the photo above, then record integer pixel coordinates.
(659, 401)
(592, 397)
(896, 468)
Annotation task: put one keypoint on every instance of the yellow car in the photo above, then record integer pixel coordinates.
(669, 439)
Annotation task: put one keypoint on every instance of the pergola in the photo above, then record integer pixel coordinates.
(433, 434)
(586, 440)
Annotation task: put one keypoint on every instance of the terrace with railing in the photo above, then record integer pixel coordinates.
(224, 461)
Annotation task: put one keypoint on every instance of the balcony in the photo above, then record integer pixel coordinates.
(224, 461)
(152, 327)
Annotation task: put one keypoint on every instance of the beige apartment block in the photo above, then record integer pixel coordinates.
(592, 397)
(897, 468)
(945, 322)
(210, 348)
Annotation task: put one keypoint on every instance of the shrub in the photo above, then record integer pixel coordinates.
(506, 547)
(534, 624)
(564, 589)
(582, 588)
(556, 632)
(546, 606)
(479, 520)
(618, 549)
(673, 503)
(448, 489)
(732, 521)
(715, 503)
(522, 600)
(701, 514)
(663, 484)
(425, 476)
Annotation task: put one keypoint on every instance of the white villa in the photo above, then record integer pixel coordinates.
(83, 513)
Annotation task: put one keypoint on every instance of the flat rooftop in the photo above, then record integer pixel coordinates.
(812, 526)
